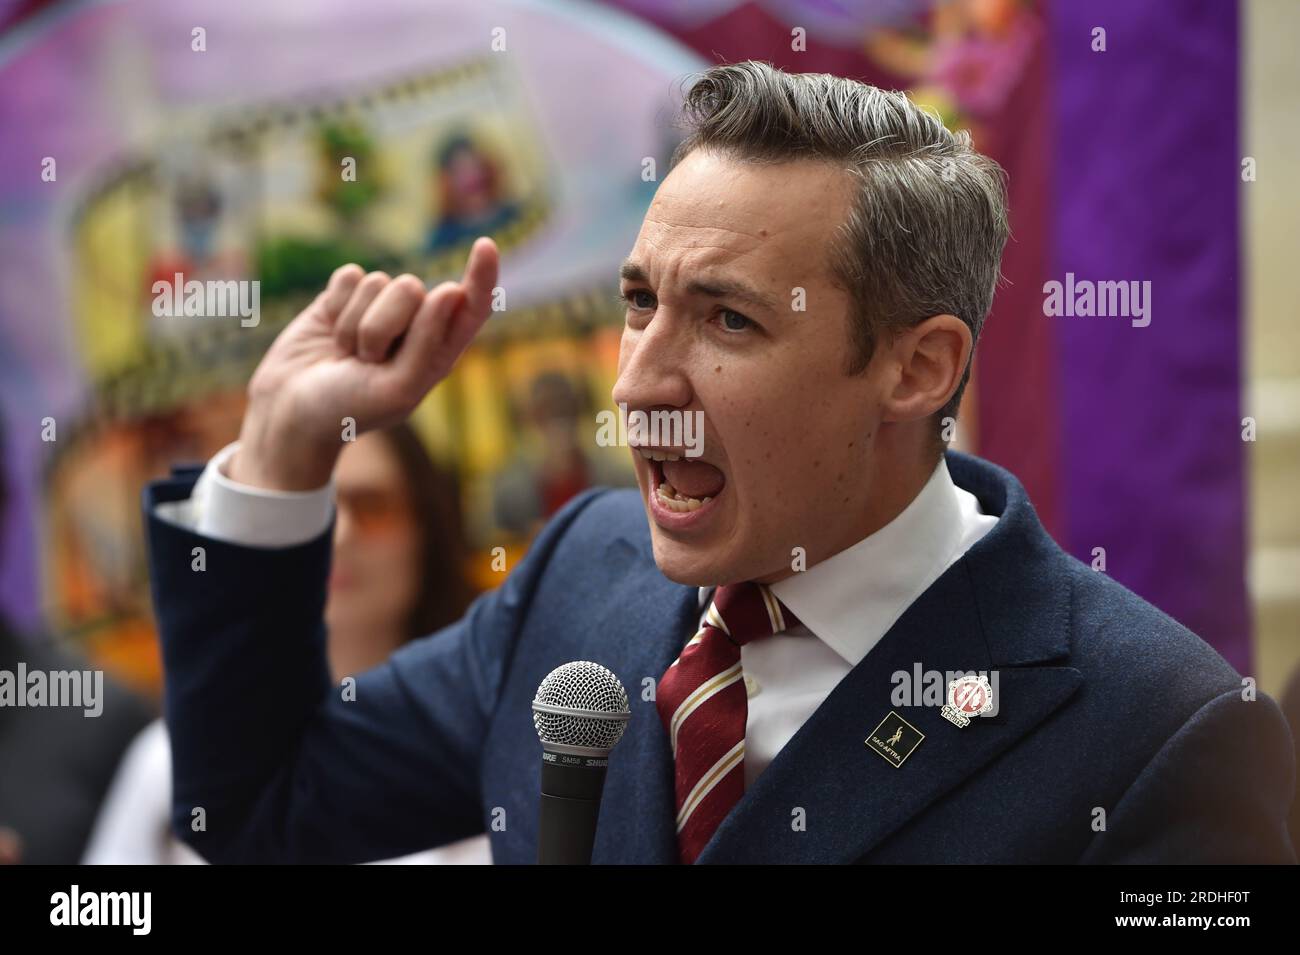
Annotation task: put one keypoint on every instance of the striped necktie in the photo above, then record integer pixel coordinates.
(703, 705)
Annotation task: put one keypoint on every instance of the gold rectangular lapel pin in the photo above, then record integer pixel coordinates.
(894, 739)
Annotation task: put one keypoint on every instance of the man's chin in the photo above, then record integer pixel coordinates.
(689, 566)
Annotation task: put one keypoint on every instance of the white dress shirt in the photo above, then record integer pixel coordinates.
(846, 603)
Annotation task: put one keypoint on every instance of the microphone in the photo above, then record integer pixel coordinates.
(580, 712)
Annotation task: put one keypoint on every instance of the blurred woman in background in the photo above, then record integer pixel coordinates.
(399, 553)
(397, 573)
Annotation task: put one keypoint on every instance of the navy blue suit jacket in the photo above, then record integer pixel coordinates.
(1120, 736)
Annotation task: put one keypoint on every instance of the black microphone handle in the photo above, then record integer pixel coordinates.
(571, 791)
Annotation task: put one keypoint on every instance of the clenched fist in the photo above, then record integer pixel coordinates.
(368, 348)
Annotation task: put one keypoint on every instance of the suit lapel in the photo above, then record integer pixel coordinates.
(648, 620)
(1000, 608)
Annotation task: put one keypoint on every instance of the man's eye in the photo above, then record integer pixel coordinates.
(640, 299)
(734, 321)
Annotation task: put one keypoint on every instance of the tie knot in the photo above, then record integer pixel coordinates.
(747, 610)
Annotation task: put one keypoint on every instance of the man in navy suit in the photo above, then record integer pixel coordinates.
(843, 643)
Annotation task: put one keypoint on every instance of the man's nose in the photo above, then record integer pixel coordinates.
(654, 369)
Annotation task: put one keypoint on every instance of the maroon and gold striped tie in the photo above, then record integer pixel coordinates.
(703, 705)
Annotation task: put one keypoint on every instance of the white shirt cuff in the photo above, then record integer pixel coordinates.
(250, 516)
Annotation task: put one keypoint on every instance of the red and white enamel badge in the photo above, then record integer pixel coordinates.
(968, 697)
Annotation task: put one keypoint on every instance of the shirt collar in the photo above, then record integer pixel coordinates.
(851, 599)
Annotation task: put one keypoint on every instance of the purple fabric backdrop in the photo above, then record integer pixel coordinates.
(1147, 179)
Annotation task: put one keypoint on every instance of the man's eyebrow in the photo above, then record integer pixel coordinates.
(737, 291)
(631, 272)
(717, 288)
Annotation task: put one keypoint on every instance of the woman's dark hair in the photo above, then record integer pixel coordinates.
(434, 495)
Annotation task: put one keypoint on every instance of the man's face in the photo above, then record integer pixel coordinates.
(713, 326)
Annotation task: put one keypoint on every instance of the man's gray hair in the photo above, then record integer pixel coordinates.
(926, 234)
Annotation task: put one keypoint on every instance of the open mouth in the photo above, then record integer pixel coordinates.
(680, 484)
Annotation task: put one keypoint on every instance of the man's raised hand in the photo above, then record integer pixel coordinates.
(368, 348)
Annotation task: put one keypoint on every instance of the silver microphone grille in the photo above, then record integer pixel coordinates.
(581, 707)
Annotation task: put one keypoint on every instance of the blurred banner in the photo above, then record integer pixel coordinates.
(145, 139)
(276, 143)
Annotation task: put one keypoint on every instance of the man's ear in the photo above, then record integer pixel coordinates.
(930, 358)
